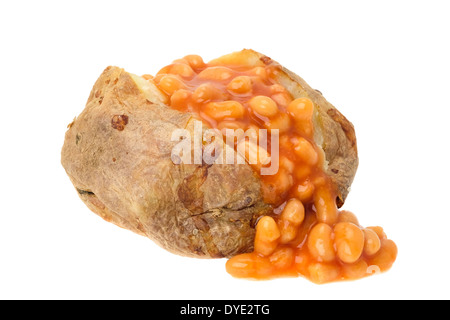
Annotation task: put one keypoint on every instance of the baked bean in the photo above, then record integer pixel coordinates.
(240, 85)
(277, 88)
(180, 69)
(302, 172)
(347, 216)
(253, 153)
(282, 99)
(232, 137)
(182, 60)
(320, 181)
(157, 78)
(282, 258)
(304, 191)
(294, 212)
(301, 261)
(371, 242)
(355, 270)
(241, 266)
(303, 231)
(216, 74)
(280, 95)
(147, 76)
(252, 133)
(179, 98)
(287, 164)
(263, 106)
(264, 268)
(267, 235)
(244, 58)
(301, 110)
(320, 242)
(379, 231)
(305, 151)
(281, 122)
(325, 204)
(285, 144)
(386, 256)
(349, 241)
(284, 181)
(267, 229)
(224, 109)
(291, 217)
(195, 61)
(260, 72)
(232, 125)
(256, 82)
(288, 231)
(249, 265)
(207, 92)
(323, 272)
(170, 83)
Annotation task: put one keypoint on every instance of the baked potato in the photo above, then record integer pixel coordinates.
(117, 154)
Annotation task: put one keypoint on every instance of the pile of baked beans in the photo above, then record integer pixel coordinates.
(306, 235)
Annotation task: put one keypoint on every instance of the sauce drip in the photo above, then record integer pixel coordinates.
(306, 234)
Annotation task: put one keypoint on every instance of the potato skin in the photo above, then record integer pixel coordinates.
(117, 154)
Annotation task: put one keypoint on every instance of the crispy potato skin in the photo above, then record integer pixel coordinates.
(117, 154)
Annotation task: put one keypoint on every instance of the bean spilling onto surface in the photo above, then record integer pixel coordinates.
(306, 235)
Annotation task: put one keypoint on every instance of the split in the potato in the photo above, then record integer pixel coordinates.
(306, 234)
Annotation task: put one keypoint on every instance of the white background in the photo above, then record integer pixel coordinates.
(384, 64)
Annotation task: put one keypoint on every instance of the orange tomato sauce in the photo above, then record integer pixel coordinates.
(306, 235)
